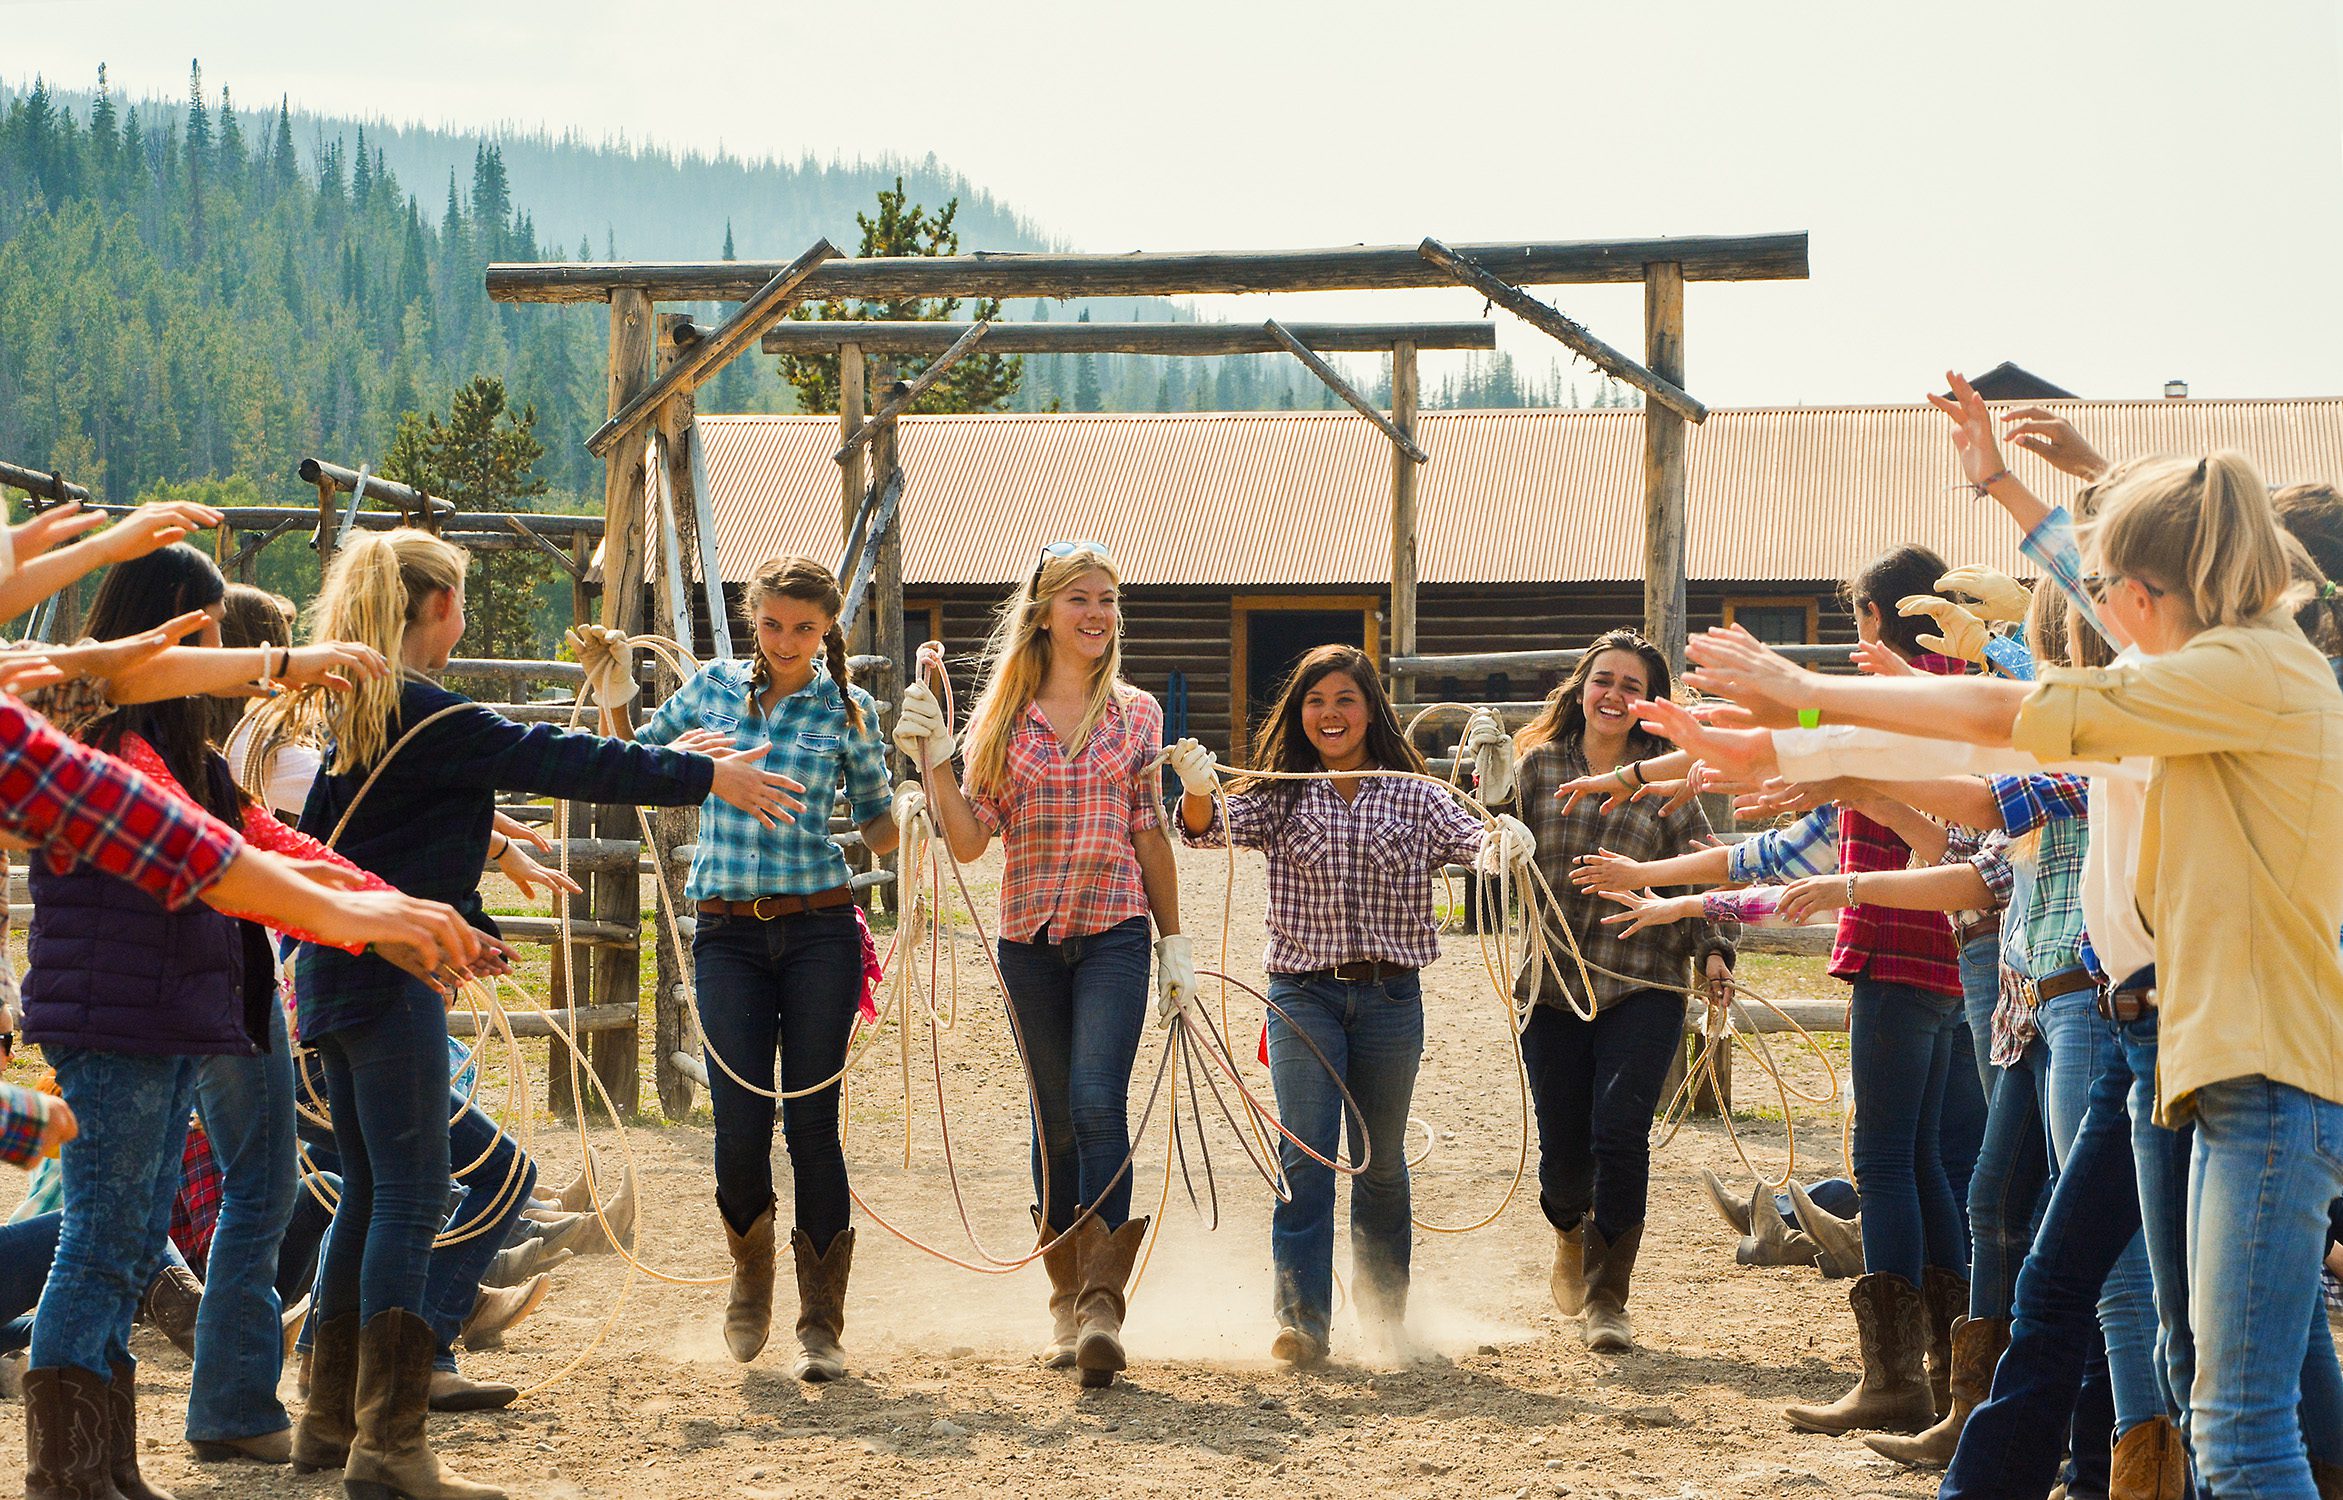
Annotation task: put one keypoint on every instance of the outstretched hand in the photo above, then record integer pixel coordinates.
(2038, 429)
(1767, 689)
(1739, 754)
(1972, 433)
(768, 796)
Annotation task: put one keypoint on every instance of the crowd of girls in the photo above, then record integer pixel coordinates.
(2082, 846)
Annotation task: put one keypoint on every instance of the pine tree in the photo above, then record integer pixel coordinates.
(492, 205)
(451, 221)
(484, 457)
(361, 175)
(728, 253)
(284, 166)
(1085, 375)
(231, 142)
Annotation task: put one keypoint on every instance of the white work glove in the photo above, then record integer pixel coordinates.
(919, 728)
(1999, 596)
(1510, 845)
(1199, 768)
(1960, 633)
(1491, 749)
(1175, 978)
(609, 664)
(910, 803)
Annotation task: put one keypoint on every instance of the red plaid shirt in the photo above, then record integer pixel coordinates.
(1882, 943)
(82, 804)
(1066, 824)
(195, 1212)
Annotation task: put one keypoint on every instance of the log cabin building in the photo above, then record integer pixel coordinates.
(1246, 538)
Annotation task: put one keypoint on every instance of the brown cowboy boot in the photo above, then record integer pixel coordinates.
(1947, 1299)
(122, 1436)
(1107, 1259)
(1839, 1241)
(1568, 1278)
(1891, 1320)
(497, 1309)
(321, 1439)
(2151, 1464)
(748, 1312)
(821, 1305)
(452, 1390)
(1771, 1241)
(66, 1452)
(389, 1459)
(1610, 1265)
(170, 1306)
(1731, 1207)
(1063, 1261)
(1977, 1346)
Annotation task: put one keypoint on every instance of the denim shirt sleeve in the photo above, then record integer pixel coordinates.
(2051, 547)
(1807, 847)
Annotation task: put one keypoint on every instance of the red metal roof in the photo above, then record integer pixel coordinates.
(1304, 498)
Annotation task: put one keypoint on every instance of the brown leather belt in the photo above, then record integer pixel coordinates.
(2126, 1006)
(769, 908)
(2064, 982)
(1965, 933)
(1359, 971)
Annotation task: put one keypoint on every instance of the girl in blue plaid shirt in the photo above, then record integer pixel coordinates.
(777, 956)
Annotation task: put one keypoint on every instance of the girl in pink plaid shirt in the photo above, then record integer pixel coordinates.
(1062, 767)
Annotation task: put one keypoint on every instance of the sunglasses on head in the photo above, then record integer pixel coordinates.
(1052, 551)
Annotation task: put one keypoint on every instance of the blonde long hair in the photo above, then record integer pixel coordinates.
(377, 586)
(1017, 658)
(2204, 531)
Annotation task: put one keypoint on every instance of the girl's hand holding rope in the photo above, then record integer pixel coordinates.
(764, 794)
(920, 732)
(1198, 768)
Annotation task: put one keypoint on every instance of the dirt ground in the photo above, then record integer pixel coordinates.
(1496, 1396)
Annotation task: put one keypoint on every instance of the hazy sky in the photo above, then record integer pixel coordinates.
(2109, 193)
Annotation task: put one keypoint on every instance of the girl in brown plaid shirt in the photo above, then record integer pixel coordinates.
(1597, 1082)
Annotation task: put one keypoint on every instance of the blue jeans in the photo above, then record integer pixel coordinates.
(121, 1174)
(1980, 961)
(247, 1108)
(2006, 1189)
(493, 1182)
(386, 1086)
(1919, 1115)
(1596, 1085)
(2087, 1062)
(2160, 1166)
(789, 986)
(1833, 1195)
(2268, 1161)
(27, 1246)
(1372, 1036)
(1080, 1007)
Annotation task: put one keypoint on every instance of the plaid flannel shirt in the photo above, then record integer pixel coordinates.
(1657, 957)
(2038, 799)
(811, 743)
(2051, 547)
(22, 1114)
(425, 826)
(1068, 867)
(1348, 880)
(1878, 942)
(195, 1209)
(1809, 846)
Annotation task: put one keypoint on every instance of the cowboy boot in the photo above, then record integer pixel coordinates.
(122, 1436)
(452, 1390)
(66, 1453)
(748, 1312)
(1947, 1297)
(1734, 1210)
(172, 1301)
(1064, 1263)
(2151, 1464)
(1977, 1346)
(821, 1305)
(1107, 1259)
(516, 1263)
(1770, 1240)
(1891, 1321)
(1610, 1265)
(1839, 1241)
(389, 1458)
(321, 1439)
(579, 1195)
(1568, 1278)
(499, 1308)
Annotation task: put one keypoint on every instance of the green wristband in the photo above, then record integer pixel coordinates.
(1810, 718)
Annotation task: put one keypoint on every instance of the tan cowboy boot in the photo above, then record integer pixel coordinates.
(1892, 1323)
(1977, 1346)
(389, 1458)
(1567, 1281)
(1771, 1241)
(1610, 1266)
(1840, 1241)
(1732, 1207)
(821, 1305)
(321, 1439)
(748, 1312)
(1946, 1296)
(1064, 1263)
(2151, 1464)
(1107, 1259)
(497, 1309)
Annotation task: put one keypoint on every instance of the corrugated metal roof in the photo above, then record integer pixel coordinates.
(1304, 498)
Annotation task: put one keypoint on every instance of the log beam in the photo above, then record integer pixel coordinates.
(1570, 332)
(41, 484)
(1126, 338)
(406, 498)
(1402, 638)
(1757, 257)
(712, 353)
(903, 395)
(1343, 388)
(1664, 465)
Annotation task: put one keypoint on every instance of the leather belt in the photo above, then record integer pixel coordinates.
(2065, 982)
(1965, 933)
(2126, 1006)
(771, 908)
(1358, 971)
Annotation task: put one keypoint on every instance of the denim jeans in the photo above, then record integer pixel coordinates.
(121, 1174)
(2160, 1166)
(1980, 960)
(2084, 1050)
(2006, 1189)
(1372, 1036)
(304, 1237)
(1833, 1195)
(386, 1086)
(1081, 1006)
(1596, 1085)
(246, 1104)
(2268, 1161)
(790, 986)
(493, 1181)
(27, 1246)
(1919, 1116)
